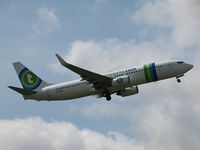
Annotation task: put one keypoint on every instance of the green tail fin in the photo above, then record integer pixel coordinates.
(28, 79)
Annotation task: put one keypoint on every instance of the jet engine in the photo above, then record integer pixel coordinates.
(128, 91)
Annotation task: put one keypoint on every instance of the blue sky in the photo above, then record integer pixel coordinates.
(101, 35)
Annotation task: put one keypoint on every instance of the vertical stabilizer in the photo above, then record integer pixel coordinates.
(28, 79)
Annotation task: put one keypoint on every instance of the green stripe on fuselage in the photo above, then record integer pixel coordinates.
(147, 73)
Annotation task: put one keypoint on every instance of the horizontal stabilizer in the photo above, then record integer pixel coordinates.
(22, 91)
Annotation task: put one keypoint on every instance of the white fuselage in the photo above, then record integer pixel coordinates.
(137, 75)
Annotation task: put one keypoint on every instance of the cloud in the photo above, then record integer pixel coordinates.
(47, 20)
(181, 16)
(35, 133)
(148, 14)
(103, 110)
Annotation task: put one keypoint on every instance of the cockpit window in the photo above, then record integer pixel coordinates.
(179, 62)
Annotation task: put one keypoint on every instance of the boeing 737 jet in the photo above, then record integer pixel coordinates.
(122, 83)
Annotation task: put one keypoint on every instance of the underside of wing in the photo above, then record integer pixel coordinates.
(99, 81)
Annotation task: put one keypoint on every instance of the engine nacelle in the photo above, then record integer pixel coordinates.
(121, 82)
(128, 91)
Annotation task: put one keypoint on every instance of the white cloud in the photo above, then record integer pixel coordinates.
(35, 133)
(47, 20)
(186, 21)
(48, 16)
(153, 13)
(182, 16)
(102, 110)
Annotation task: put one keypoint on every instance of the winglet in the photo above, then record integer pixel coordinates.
(61, 60)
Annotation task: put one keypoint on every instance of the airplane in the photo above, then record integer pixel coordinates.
(122, 83)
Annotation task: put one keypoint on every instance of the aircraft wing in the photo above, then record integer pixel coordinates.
(98, 80)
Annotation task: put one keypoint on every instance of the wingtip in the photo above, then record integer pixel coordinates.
(17, 62)
(58, 56)
(61, 60)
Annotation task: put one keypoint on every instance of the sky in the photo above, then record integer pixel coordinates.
(100, 35)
